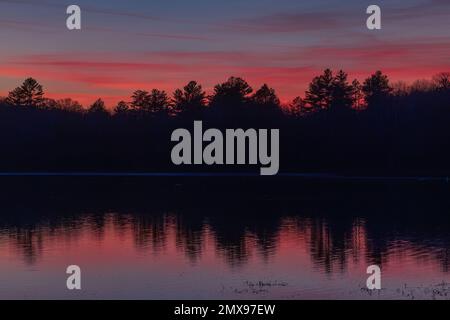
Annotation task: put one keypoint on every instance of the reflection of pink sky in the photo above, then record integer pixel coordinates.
(122, 252)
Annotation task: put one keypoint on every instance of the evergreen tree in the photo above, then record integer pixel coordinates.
(121, 108)
(320, 93)
(30, 93)
(192, 99)
(98, 108)
(376, 88)
(342, 92)
(266, 96)
(140, 101)
(158, 102)
(232, 93)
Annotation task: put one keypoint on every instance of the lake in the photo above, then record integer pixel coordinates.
(223, 238)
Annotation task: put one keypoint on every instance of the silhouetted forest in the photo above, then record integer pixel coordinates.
(339, 126)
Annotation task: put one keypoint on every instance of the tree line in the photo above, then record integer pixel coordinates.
(339, 125)
(326, 91)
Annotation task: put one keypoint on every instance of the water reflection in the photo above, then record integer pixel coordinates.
(330, 244)
(300, 249)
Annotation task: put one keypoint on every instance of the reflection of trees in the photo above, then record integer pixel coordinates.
(29, 243)
(242, 230)
(242, 227)
(333, 242)
(30, 238)
(189, 237)
(149, 232)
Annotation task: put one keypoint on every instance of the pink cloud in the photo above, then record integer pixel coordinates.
(86, 75)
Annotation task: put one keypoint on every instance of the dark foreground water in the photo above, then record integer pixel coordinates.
(193, 239)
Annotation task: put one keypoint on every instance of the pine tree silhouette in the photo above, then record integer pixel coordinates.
(30, 94)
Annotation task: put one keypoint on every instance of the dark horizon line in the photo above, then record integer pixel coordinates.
(221, 174)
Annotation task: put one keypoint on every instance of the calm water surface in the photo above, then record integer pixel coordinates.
(310, 245)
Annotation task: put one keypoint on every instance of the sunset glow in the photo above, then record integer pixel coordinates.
(125, 46)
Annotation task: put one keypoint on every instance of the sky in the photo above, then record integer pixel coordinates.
(128, 45)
